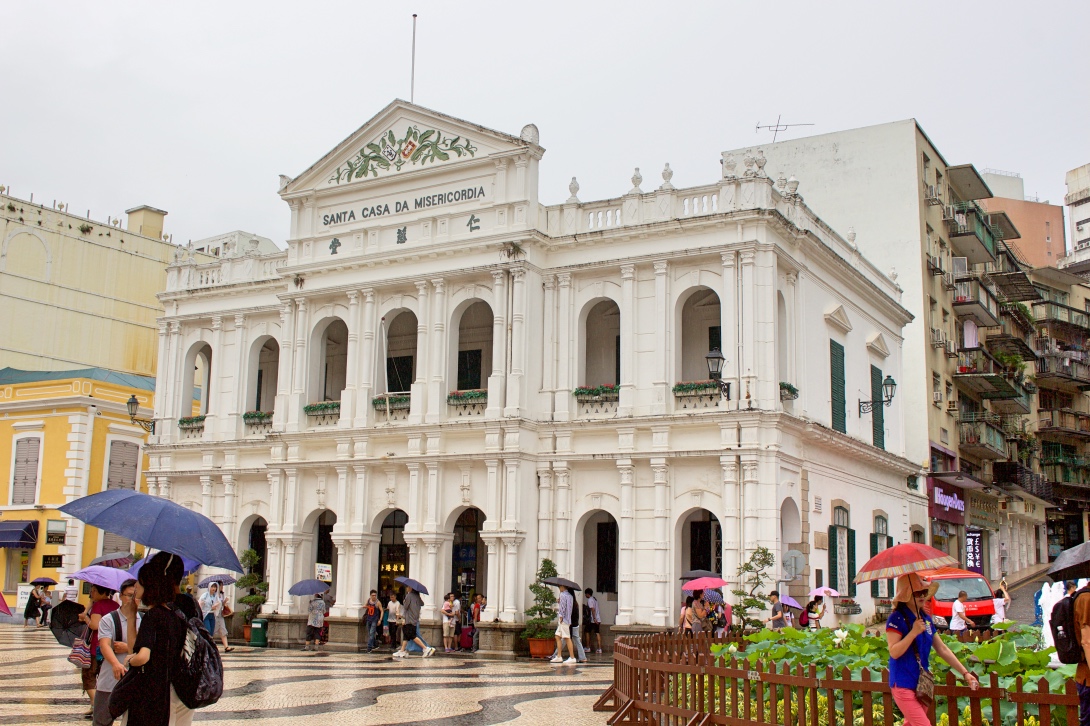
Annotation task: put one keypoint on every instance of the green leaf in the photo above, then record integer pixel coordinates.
(1008, 654)
(426, 135)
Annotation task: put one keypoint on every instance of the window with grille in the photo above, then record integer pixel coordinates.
(24, 484)
(842, 553)
(120, 474)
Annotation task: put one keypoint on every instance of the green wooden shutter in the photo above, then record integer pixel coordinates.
(873, 552)
(851, 563)
(832, 557)
(878, 422)
(889, 588)
(836, 386)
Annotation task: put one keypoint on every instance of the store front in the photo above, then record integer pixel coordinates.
(946, 506)
(1065, 530)
(982, 534)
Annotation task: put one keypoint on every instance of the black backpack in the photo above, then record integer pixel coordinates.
(197, 675)
(1064, 633)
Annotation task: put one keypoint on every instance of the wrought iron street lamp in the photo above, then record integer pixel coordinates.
(889, 388)
(715, 371)
(133, 405)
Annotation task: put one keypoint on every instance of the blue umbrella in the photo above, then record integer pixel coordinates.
(108, 577)
(308, 587)
(158, 523)
(221, 579)
(409, 582)
(190, 566)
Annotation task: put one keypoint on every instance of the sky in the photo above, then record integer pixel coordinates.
(197, 107)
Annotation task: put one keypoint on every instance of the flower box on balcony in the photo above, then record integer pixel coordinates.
(788, 392)
(605, 392)
(322, 408)
(190, 423)
(257, 417)
(695, 388)
(466, 398)
(847, 606)
(391, 401)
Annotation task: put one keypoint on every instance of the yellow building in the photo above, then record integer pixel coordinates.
(63, 435)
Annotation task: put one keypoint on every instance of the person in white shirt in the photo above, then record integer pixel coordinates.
(116, 647)
(1001, 602)
(958, 619)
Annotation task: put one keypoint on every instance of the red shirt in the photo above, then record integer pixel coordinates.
(476, 612)
(102, 607)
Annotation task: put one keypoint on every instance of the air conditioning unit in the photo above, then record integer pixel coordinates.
(951, 406)
(933, 194)
(951, 349)
(938, 339)
(936, 396)
(948, 281)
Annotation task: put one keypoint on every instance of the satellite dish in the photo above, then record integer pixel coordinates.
(794, 564)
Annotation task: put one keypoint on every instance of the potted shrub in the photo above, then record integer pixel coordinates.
(323, 408)
(604, 392)
(788, 392)
(188, 423)
(541, 616)
(257, 417)
(258, 590)
(462, 398)
(695, 388)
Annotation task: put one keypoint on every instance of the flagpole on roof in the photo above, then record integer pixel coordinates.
(412, 78)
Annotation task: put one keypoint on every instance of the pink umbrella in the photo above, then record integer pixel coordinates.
(823, 592)
(4, 606)
(704, 583)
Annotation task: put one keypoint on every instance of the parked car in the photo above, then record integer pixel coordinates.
(951, 581)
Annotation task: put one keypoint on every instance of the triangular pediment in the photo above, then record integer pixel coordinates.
(403, 138)
(838, 318)
(877, 345)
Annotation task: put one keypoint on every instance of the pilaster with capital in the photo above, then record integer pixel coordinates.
(627, 394)
(366, 383)
(511, 579)
(728, 313)
(662, 333)
(352, 362)
(229, 514)
(564, 372)
(206, 495)
(284, 366)
(340, 608)
(299, 372)
(287, 600)
(732, 522)
(216, 407)
(627, 545)
(181, 405)
(751, 511)
(562, 518)
(437, 378)
(163, 382)
(660, 472)
(497, 382)
(544, 511)
(518, 341)
(419, 389)
(548, 349)
(790, 295)
(748, 371)
(492, 586)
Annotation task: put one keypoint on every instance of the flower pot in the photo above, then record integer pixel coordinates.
(246, 633)
(541, 647)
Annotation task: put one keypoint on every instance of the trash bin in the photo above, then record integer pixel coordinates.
(259, 633)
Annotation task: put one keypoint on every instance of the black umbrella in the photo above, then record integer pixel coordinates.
(694, 574)
(65, 624)
(557, 581)
(1071, 564)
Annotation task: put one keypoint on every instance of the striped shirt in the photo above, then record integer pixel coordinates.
(565, 607)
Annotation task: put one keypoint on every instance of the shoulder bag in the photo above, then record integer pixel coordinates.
(80, 656)
(925, 686)
(126, 692)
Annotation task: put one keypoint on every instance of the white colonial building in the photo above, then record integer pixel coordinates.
(443, 377)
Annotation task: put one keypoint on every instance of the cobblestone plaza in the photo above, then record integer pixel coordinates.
(38, 686)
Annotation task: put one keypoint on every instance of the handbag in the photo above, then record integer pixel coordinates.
(126, 692)
(925, 686)
(227, 611)
(80, 656)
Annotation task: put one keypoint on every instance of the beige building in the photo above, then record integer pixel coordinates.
(1040, 224)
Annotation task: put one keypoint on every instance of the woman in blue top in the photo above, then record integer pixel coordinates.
(909, 625)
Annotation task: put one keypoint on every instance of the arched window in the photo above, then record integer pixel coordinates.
(881, 525)
(840, 517)
(842, 553)
(879, 541)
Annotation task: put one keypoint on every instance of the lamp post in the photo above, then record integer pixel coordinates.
(133, 405)
(715, 371)
(889, 388)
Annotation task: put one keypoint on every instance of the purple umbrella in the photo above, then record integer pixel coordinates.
(790, 601)
(44, 581)
(108, 577)
(713, 597)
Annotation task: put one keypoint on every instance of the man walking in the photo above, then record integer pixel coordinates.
(778, 621)
(315, 619)
(475, 611)
(372, 616)
(563, 629)
(411, 614)
(958, 617)
(593, 625)
(395, 620)
(116, 637)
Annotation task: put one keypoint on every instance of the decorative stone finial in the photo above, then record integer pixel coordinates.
(851, 237)
(574, 189)
(637, 179)
(530, 133)
(761, 161)
(792, 185)
(748, 161)
(729, 162)
(667, 175)
(781, 182)
(893, 274)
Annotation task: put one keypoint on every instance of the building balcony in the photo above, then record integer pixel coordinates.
(1011, 281)
(1065, 319)
(975, 300)
(1063, 367)
(981, 437)
(980, 373)
(970, 232)
(1064, 421)
(1008, 474)
(1066, 474)
(1019, 404)
(1013, 335)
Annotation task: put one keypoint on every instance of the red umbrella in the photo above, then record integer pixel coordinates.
(901, 560)
(705, 583)
(4, 606)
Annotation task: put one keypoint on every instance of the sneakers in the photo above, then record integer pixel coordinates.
(429, 652)
(570, 661)
(306, 648)
(557, 659)
(398, 654)
(598, 651)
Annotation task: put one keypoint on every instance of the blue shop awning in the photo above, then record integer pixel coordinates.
(20, 533)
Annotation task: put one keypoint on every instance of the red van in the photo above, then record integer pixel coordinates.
(951, 581)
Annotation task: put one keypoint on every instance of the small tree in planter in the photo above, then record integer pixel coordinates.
(540, 616)
(752, 574)
(259, 590)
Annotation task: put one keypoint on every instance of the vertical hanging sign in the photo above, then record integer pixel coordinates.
(974, 555)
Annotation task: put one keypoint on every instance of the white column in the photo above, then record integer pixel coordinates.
(352, 362)
(182, 395)
(495, 576)
(548, 350)
(748, 299)
(666, 341)
(287, 600)
(355, 589)
(340, 608)
(510, 579)
(241, 379)
(789, 303)
(419, 403)
(661, 615)
(163, 381)
(732, 522)
(750, 509)
(626, 532)
(437, 393)
(299, 377)
(627, 396)
(562, 522)
(564, 362)
(272, 604)
(284, 367)
(366, 384)
(492, 494)
(429, 611)
(728, 315)
(416, 498)
(512, 504)
(206, 495)
(361, 519)
(228, 518)
(432, 495)
(544, 511)
(497, 382)
(518, 342)
(216, 407)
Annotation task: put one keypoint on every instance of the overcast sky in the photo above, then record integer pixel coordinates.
(195, 107)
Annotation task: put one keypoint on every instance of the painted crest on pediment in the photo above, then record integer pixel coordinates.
(415, 147)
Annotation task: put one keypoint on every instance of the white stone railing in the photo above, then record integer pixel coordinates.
(187, 274)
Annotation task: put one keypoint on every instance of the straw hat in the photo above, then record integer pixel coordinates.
(910, 583)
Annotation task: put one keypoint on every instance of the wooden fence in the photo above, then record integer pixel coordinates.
(674, 680)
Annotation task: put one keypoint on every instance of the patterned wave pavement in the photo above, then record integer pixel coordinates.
(38, 686)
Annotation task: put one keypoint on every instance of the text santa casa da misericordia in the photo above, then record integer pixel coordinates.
(424, 202)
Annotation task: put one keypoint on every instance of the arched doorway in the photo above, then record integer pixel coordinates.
(472, 348)
(256, 542)
(332, 361)
(701, 542)
(701, 332)
(325, 557)
(602, 345)
(393, 553)
(469, 558)
(196, 381)
(601, 564)
(400, 354)
(264, 369)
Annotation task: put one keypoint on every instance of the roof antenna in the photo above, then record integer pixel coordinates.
(412, 80)
(775, 128)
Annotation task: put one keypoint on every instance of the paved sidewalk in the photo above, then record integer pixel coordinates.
(292, 688)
